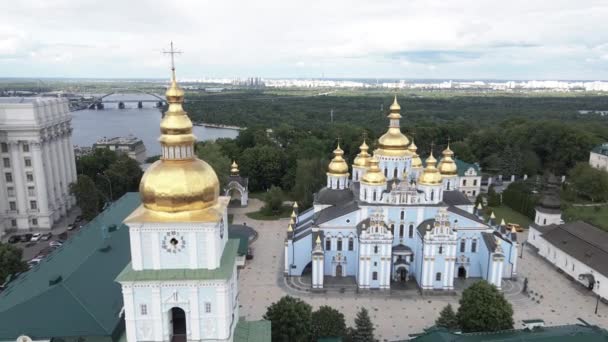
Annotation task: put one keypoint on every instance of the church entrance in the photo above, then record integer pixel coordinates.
(339, 271)
(178, 325)
(403, 275)
(462, 272)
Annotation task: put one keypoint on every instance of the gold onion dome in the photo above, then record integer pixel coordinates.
(416, 161)
(447, 166)
(362, 159)
(430, 175)
(393, 142)
(234, 168)
(178, 182)
(338, 166)
(373, 175)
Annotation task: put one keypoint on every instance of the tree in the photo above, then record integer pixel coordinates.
(124, 175)
(264, 165)
(493, 197)
(447, 318)
(310, 177)
(212, 153)
(589, 182)
(87, 196)
(484, 308)
(327, 322)
(290, 319)
(274, 201)
(10, 261)
(96, 162)
(364, 329)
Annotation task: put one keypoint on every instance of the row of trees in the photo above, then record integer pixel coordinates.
(293, 320)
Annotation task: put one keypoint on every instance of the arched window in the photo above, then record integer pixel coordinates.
(432, 195)
(544, 221)
(351, 244)
(375, 249)
(395, 174)
(463, 245)
(339, 244)
(375, 276)
(411, 231)
(401, 230)
(438, 276)
(402, 214)
(474, 246)
(448, 186)
(386, 173)
(440, 249)
(374, 197)
(365, 194)
(464, 182)
(328, 244)
(393, 228)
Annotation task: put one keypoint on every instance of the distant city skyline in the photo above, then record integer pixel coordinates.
(463, 39)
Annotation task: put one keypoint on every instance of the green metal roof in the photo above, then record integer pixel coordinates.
(464, 166)
(256, 331)
(243, 239)
(563, 333)
(87, 301)
(223, 272)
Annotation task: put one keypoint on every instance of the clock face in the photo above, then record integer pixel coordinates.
(222, 229)
(173, 242)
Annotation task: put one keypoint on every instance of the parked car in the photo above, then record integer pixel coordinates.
(56, 243)
(71, 226)
(78, 218)
(36, 237)
(26, 237)
(46, 236)
(14, 239)
(63, 236)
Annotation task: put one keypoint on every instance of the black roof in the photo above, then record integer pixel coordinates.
(465, 214)
(334, 197)
(543, 229)
(490, 240)
(422, 226)
(455, 198)
(582, 241)
(401, 248)
(331, 213)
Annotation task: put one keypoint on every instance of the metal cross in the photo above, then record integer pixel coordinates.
(172, 52)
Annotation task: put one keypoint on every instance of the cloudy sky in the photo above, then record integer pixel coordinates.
(473, 39)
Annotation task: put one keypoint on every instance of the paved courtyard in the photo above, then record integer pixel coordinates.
(397, 314)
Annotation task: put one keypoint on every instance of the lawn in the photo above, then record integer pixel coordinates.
(597, 216)
(510, 216)
(259, 215)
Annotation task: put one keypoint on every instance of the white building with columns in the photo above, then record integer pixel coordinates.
(37, 163)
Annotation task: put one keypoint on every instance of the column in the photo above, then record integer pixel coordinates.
(19, 182)
(195, 316)
(62, 168)
(50, 178)
(40, 179)
(156, 250)
(157, 316)
(69, 166)
(193, 251)
(224, 311)
(127, 295)
(54, 157)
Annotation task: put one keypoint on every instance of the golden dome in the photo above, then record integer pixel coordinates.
(416, 161)
(393, 142)
(373, 175)
(430, 175)
(338, 166)
(362, 159)
(447, 166)
(178, 181)
(234, 168)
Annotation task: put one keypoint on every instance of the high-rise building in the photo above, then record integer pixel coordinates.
(37, 163)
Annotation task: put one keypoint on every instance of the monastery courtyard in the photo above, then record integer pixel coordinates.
(557, 300)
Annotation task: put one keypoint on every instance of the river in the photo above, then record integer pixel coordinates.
(90, 124)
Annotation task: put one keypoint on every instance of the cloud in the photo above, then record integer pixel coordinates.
(435, 56)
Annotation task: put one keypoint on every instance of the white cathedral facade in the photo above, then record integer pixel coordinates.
(394, 220)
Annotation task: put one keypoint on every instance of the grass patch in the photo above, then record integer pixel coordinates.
(259, 215)
(597, 216)
(510, 216)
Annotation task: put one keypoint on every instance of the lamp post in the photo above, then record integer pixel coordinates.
(109, 183)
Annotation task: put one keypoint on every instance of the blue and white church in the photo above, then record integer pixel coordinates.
(392, 219)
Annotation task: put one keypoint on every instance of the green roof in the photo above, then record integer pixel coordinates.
(563, 333)
(86, 301)
(243, 238)
(464, 166)
(223, 272)
(257, 331)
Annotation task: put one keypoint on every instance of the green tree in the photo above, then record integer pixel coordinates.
(87, 196)
(310, 177)
(327, 322)
(493, 197)
(10, 261)
(213, 154)
(364, 328)
(264, 165)
(447, 318)
(274, 200)
(96, 162)
(124, 174)
(152, 159)
(589, 182)
(290, 319)
(484, 308)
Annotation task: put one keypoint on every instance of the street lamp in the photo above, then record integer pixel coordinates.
(109, 182)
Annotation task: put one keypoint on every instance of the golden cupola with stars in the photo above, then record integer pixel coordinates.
(338, 166)
(447, 165)
(416, 161)
(430, 175)
(393, 143)
(362, 159)
(179, 181)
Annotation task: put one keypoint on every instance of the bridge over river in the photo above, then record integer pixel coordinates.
(127, 98)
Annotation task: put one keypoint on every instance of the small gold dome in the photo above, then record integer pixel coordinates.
(430, 175)
(393, 142)
(447, 166)
(373, 175)
(416, 161)
(234, 168)
(362, 159)
(338, 166)
(179, 181)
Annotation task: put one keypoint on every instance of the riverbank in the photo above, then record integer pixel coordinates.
(210, 125)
